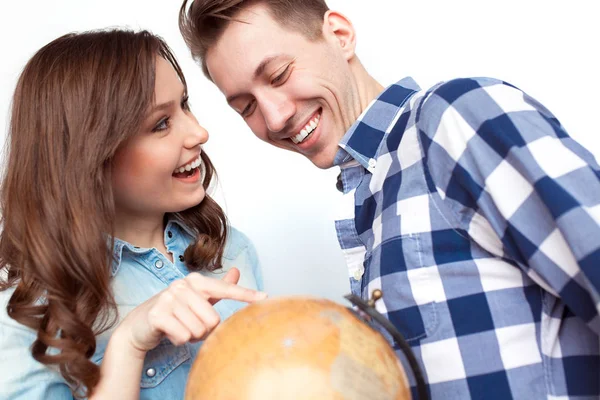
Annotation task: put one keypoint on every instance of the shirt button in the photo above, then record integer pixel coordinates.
(358, 274)
(150, 372)
(159, 264)
(372, 162)
(170, 234)
(181, 258)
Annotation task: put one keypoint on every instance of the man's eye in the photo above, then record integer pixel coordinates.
(281, 77)
(248, 109)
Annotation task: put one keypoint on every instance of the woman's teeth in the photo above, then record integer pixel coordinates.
(307, 130)
(188, 167)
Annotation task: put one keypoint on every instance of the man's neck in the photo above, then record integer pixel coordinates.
(369, 91)
(368, 88)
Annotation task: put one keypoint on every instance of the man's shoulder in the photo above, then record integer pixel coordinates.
(473, 97)
(461, 85)
(472, 100)
(467, 91)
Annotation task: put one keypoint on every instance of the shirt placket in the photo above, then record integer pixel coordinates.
(352, 247)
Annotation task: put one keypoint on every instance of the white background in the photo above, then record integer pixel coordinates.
(287, 206)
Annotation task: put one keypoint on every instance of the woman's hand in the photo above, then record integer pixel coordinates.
(183, 312)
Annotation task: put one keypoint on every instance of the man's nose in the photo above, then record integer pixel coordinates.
(277, 110)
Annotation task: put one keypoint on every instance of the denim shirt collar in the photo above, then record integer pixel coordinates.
(363, 140)
(120, 245)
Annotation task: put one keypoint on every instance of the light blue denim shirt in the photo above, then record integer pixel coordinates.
(138, 274)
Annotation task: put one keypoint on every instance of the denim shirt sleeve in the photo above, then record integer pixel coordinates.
(21, 377)
(251, 260)
(241, 254)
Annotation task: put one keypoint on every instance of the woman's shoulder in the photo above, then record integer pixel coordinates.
(22, 377)
(5, 296)
(12, 331)
(237, 243)
(240, 253)
(6, 322)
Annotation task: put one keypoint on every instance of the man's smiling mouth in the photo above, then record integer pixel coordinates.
(307, 130)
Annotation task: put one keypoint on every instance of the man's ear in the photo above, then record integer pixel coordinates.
(339, 28)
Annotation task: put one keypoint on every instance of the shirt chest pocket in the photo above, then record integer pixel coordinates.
(163, 361)
(409, 301)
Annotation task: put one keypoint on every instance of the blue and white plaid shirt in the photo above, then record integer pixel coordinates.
(478, 217)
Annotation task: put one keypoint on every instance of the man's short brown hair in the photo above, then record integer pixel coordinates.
(204, 21)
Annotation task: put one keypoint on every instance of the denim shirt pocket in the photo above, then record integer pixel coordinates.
(161, 361)
(396, 267)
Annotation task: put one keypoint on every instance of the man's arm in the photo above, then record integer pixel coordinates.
(496, 154)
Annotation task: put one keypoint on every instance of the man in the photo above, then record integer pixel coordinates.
(467, 204)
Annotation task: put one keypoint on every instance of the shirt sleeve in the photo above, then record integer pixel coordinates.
(506, 164)
(255, 265)
(21, 377)
(242, 252)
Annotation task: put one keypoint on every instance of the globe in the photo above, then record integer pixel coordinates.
(296, 348)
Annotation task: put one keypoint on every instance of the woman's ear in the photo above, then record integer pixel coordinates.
(339, 28)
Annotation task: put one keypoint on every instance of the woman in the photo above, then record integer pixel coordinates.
(111, 248)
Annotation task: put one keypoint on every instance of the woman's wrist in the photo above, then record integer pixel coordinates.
(121, 368)
(121, 340)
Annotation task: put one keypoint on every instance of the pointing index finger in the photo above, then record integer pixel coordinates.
(220, 289)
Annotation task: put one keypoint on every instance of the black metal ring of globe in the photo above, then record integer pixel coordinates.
(369, 309)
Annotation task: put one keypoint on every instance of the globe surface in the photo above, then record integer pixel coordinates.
(296, 348)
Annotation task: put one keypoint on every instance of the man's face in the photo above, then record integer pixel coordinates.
(293, 92)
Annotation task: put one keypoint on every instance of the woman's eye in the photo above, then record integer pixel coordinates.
(281, 77)
(162, 125)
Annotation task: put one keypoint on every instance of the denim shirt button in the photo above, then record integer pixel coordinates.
(150, 372)
(170, 234)
(159, 264)
(181, 258)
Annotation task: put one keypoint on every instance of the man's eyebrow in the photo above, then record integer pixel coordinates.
(264, 63)
(258, 71)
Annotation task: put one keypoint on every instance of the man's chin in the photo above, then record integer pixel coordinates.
(322, 161)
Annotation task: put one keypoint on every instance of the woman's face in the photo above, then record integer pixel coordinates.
(156, 171)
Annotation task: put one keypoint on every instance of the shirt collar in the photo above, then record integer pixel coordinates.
(120, 245)
(363, 140)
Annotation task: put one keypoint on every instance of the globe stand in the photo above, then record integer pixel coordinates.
(368, 307)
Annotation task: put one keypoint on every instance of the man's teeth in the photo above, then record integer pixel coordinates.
(307, 130)
(188, 167)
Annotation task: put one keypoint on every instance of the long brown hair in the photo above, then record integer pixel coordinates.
(77, 100)
(203, 22)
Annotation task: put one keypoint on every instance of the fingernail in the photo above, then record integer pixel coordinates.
(262, 295)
